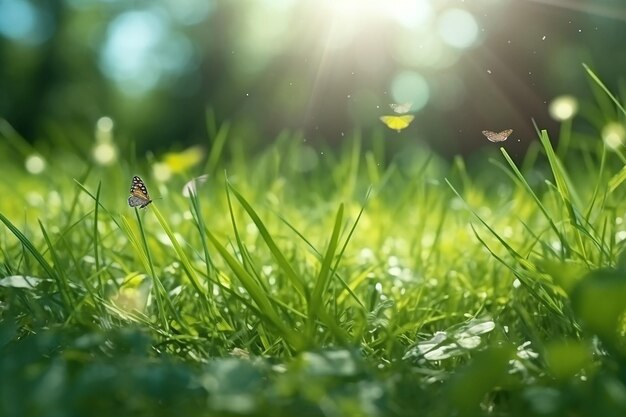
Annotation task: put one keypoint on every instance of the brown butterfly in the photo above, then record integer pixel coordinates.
(497, 137)
(138, 194)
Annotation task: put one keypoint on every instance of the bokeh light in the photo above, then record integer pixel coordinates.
(105, 153)
(614, 134)
(410, 87)
(458, 28)
(161, 171)
(563, 107)
(35, 164)
(270, 65)
(190, 12)
(141, 48)
(104, 124)
(23, 22)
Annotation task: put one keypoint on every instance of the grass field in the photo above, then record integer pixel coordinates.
(293, 281)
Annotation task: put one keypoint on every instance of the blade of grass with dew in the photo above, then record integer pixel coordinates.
(63, 280)
(348, 287)
(316, 303)
(160, 294)
(67, 229)
(249, 304)
(96, 235)
(345, 245)
(196, 212)
(536, 239)
(566, 191)
(345, 285)
(596, 189)
(597, 80)
(246, 260)
(564, 184)
(522, 181)
(516, 255)
(217, 148)
(259, 296)
(184, 259)
(588, 231)
(79, 273)
(74, 203)
(30, 247)
(528, 277)
(616, 180)
(278, 255)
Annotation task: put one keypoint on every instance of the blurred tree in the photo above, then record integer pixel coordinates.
(325, 67)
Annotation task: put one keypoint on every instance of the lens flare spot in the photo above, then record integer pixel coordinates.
(105, 153)
(613, 135)
(563, 107)
(458, 28)
(35, 164)
(410, 87)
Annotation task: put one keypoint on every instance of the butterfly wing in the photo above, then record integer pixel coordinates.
(191, 186)
(401, 108)
(138, 194)
(497, 137)
(397, 122)
(140, 202)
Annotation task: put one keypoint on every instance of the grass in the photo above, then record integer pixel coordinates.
(341, 282)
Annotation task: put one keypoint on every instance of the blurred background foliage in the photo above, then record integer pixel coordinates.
(325, 67)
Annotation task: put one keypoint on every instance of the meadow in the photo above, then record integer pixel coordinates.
(315, 281)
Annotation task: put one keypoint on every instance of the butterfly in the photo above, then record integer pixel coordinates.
(191, 186)
(138, 194)
(397, 122)
(401, 108)
(497, 137)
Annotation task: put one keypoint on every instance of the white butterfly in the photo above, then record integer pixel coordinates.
(497, 137)
(192, 185)
(401, 108)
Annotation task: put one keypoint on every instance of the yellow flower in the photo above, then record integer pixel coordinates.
(181, 161)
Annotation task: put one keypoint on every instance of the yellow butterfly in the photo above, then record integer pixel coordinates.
(397, 122)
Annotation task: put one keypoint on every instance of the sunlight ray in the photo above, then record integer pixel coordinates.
(602, 10)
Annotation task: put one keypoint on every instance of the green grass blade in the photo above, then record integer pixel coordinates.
(316, 302)
(257, 294)
(30, 247)
(217, 148)
(182, 256)
(564, 189)
(96, 235)
(290, 272)
(522, 181)
(597, 80)
(62, 278)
